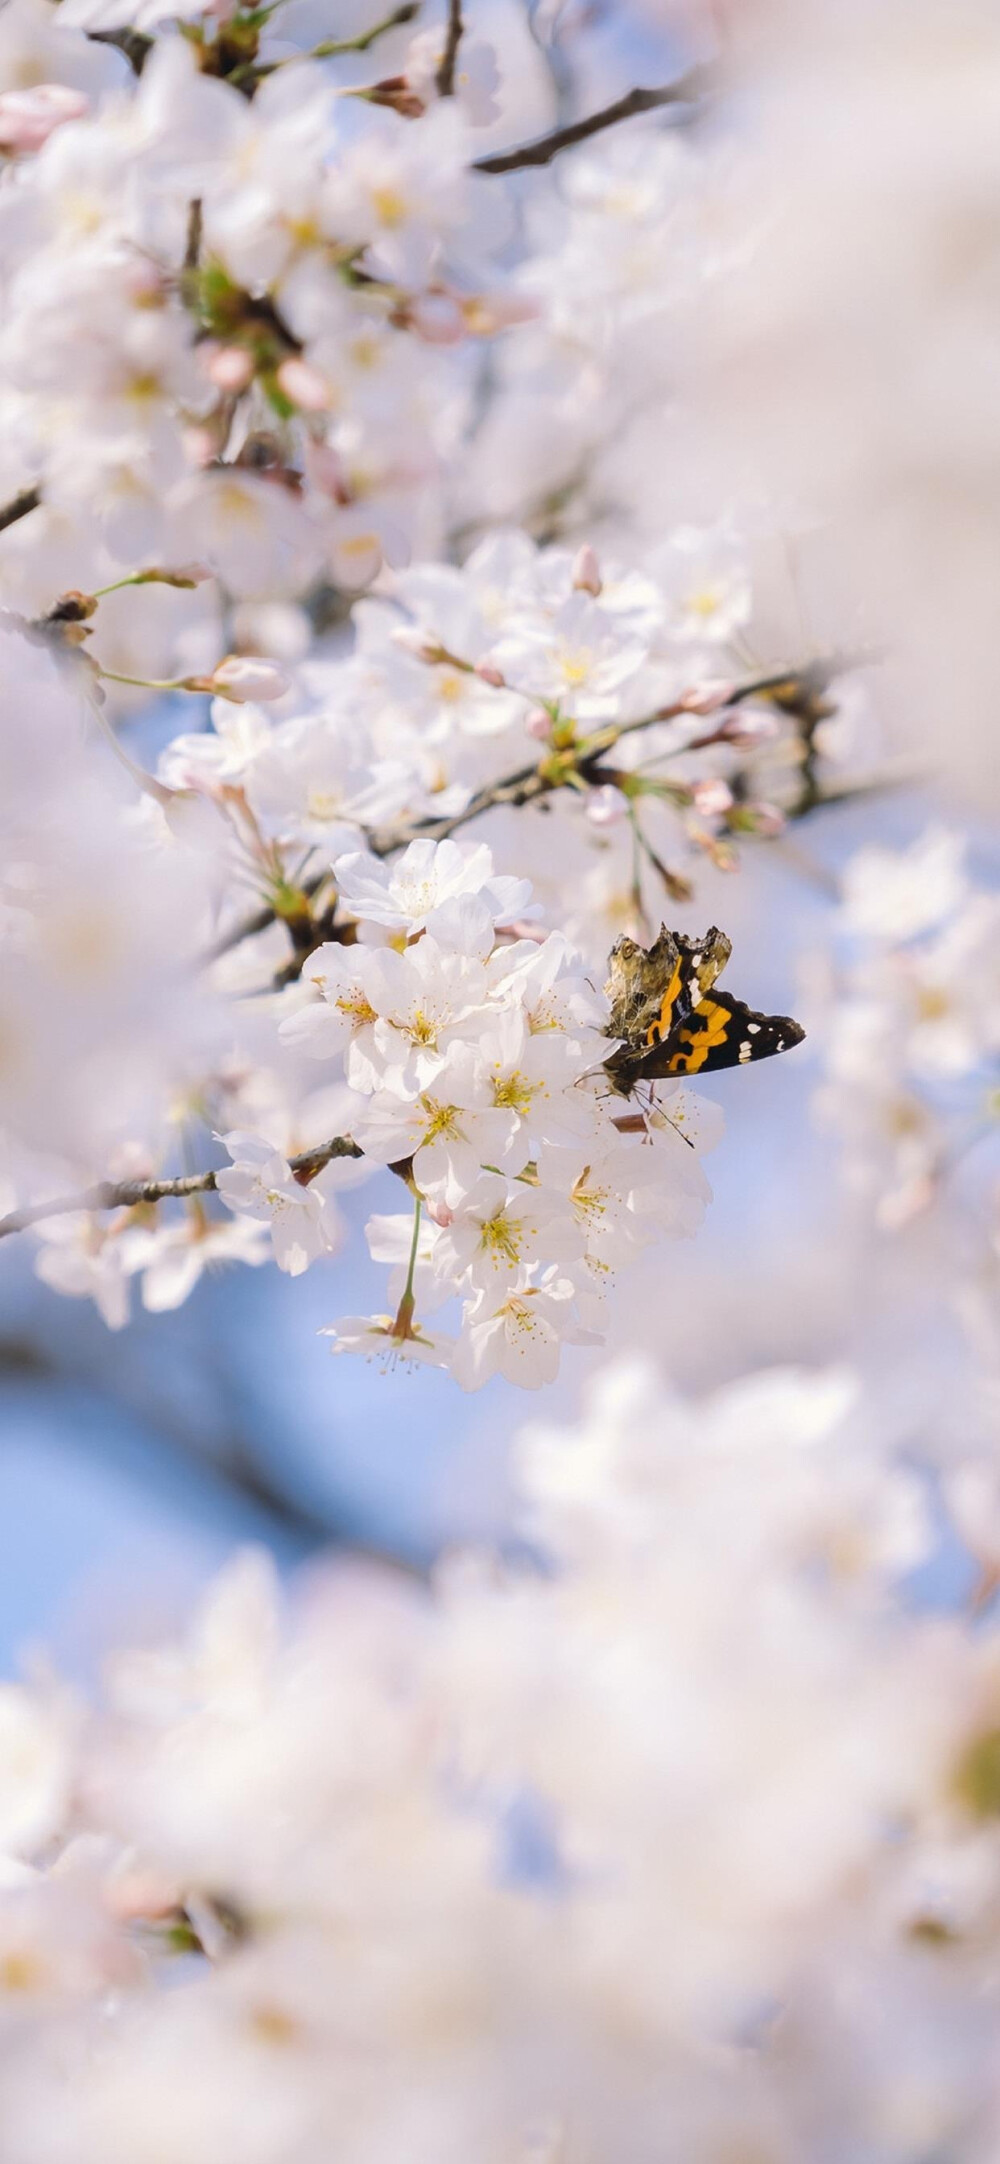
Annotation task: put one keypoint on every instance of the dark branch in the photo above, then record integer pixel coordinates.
(19, 506)
(127, 1194)
(445, 77)
(135, 46)
(546, 147)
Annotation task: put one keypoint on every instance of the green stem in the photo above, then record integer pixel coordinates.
(332, 47)
(404, 1313)
(148, 683)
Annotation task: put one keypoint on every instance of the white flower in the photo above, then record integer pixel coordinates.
(242, 677)
(540, 1077)
(451, 1129)
(172, 1257)
(262, 1185)
(705, 578)
(405, 193)
(424, 998)
(308, 783)
(403, 895)
(339, 1016)
(500, 1227)
(378, 1338)
(581, 658)
(516, 1332)
(89, 1259)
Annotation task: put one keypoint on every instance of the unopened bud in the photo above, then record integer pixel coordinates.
(245, 676)
(395, 92)
(186, 575)
(712, 798)
(539, 724)
(707, 698)
(488, 673)
(413, 639)
(767, 820)
(437, 318)
(72, 608)
(230, 368)
(750, 725)
(587, 572)
(439, 1212)
(605, 806)
(484, 314)
(303, 385)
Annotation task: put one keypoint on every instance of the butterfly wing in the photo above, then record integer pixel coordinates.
(698, 963)
(721, 1032)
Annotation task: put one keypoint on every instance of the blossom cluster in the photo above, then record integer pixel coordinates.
(466, 1037)
(911, 1021)
(476, 1059)
(688, 1823)
(269, 382)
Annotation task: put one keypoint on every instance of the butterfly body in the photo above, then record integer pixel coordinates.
(671, 1021)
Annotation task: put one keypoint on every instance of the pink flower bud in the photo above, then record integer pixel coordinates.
(413, 639)
(192, 574)
(712, 798)
(246, 676)
(539, 724)
(707, 698)
(488, 674)
(484, 314)
(765, 819)
(304, 386)
(230, 368)
(28, 117)
(437, 318)
(606, 805)
(750, 725)
(439, 1212)
(587, 572)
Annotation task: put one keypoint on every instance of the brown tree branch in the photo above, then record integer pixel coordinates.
(133, 43)
(546, 147)
(27, 499)
(127, 1194)
(445, 77)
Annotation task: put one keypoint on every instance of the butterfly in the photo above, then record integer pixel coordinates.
(670, 1019)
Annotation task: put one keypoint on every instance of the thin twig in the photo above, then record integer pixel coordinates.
(192, 248)
(127, 1194)
(903, 775)
(27, 500)
(254, 71)
(445, 77)
(331, 47)
(546, 147)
